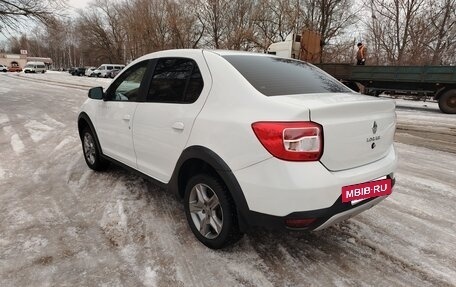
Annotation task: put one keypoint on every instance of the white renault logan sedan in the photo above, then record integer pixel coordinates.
(244, 139)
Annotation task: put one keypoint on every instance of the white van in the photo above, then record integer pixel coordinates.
(103, 70)
(35, 67)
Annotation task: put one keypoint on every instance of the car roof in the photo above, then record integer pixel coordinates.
(186, 52)
(236, 53)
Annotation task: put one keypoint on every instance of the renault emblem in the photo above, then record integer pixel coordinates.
(374, 128)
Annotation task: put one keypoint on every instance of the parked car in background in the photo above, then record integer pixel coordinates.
(89, 71)
(15, 69)
(103, 70)
(3, 68)
(244, 139)
(79, 71)
(113, 73)
(35, 67)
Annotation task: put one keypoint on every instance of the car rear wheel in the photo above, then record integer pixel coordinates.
(211, 212)
(91, 151)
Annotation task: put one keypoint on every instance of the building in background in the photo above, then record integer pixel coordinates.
(20, 60)
(13, 60)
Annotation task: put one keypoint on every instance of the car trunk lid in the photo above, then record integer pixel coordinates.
(357, 129)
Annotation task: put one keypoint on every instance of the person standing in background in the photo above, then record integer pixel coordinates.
(360, 55)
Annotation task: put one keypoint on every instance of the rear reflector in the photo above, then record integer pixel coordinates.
(299, 223)
(292, 141)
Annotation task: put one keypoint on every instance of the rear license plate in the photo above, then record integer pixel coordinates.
(357, 192)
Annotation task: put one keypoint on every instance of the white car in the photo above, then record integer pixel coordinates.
(88, 72)
(105, 69)
(244, 139)
(35, 67)
(3, 68)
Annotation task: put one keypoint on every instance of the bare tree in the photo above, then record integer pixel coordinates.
(55, 37)
(186, 31)
(211, 14)
(14, 12)
(274, 20)
(240, 33)
(330, 18)
(392, 25)
(146, 26)
(442, 19)
(101, 32)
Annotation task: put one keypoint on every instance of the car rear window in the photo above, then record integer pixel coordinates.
(274, 76)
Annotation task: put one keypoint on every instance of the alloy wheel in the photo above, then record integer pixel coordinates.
(206, 211)
(89, 148)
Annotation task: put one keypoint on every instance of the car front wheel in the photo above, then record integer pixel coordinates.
(211, 212)
(91, 151)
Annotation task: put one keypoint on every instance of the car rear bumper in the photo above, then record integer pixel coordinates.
(323, 217)
(276, 191)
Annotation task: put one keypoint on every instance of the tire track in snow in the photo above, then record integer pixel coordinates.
(238, 266)
(125, 233)
(4, 90)
(2, 173)
(65, 142)
(389, 255)
(4, 119)
(49, 120)
(37, 130)
(16, 143)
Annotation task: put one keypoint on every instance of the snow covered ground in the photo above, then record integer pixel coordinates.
(422, 124)
(62, 224)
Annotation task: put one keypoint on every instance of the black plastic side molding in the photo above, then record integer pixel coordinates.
(223, 171)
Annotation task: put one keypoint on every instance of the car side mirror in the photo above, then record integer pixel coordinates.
(96, 93)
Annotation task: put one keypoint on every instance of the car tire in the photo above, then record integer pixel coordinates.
(211, 212)
(91, 151)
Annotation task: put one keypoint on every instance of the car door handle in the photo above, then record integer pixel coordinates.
(178, 126)
(127, 118)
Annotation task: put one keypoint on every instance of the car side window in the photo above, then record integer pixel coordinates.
(175, 80)
(126, 87)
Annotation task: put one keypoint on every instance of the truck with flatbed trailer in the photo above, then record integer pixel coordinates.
(438, 82)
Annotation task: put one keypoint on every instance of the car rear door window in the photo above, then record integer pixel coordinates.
(274, 76)
(175, 80)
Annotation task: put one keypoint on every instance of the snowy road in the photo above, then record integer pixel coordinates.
(63, 225)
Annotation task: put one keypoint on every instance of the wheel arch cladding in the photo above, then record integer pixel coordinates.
(198, 159)
(85, 122)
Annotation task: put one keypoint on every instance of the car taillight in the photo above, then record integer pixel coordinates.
(292, 141)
